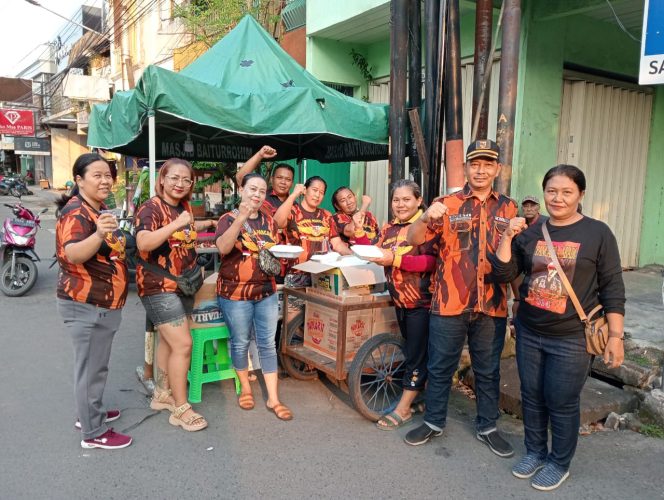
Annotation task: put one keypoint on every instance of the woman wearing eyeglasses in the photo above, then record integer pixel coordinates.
(166, 236)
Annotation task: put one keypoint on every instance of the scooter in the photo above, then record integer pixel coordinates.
(18, 268)
(15, 186)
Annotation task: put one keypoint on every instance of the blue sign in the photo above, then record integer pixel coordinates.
(652, 44)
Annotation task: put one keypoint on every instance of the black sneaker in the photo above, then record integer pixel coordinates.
(496, 443)
(421, 435)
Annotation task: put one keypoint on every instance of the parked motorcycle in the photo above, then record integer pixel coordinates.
(18, 268)
(15, 186)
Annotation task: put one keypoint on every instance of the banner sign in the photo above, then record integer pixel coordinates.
(652, 44)
(17, 122)
(32, 146)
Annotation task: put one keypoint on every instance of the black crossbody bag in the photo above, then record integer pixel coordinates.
(189, 282)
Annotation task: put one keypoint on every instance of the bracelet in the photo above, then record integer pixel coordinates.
(619, 336)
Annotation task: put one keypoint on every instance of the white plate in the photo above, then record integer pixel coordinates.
(326, 258)
(366, 251)
(286, 251)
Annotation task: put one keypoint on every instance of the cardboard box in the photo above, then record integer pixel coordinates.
(321, 330)
(341, 299)
(385, 321)
(206, 312)
(347, 276)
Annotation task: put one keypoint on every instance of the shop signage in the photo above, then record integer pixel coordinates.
(17, 122)
(32, 146)
(651, 71)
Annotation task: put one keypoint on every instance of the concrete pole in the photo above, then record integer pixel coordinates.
(398, 67)
(483, 27)
(509, 72)
(431, 12)
(453, 103)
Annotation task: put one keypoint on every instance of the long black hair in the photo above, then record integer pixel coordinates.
(80, 167)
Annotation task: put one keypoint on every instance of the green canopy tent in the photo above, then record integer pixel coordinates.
(244, 92)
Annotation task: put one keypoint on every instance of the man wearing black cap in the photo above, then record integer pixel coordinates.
(467, 303)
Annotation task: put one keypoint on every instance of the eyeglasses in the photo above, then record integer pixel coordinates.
(174, 179)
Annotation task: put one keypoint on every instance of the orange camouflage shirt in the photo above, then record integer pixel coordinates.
(311, 230)
(177, 254)
(408, 289)
(240, 276)
(102, 280)
(468, 235)
(370, 227)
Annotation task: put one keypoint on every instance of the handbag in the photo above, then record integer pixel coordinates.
(597, 329)
(189, 282)
(267, 262)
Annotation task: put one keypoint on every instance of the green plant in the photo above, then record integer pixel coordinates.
(652, 430)
(361, 63)
(638, 359)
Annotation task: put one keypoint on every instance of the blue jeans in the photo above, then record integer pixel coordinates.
(447, 335)
(552, 372)
(246, 316)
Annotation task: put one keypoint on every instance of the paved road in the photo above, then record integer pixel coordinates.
(328, 451)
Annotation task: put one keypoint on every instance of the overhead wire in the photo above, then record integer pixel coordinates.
(620, 23)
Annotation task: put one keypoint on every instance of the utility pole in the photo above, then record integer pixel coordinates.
(483, 32)
(399, 64)
(509, 72)
(431, 14)
(453, 103)
(414, 79)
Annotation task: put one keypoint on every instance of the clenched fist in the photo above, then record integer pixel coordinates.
(267, 152)
(299, 189)
(516, 225)
(435, 212)
(184, 219)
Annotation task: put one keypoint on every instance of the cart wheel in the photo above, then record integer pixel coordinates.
(376, 375)
(294, 335)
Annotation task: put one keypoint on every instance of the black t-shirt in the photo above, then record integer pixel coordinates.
(588, 253)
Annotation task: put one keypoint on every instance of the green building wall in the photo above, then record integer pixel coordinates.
(546, 48)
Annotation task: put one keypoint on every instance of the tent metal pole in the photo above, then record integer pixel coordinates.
(152, 150)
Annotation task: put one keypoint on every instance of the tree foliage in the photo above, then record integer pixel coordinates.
(210, 20)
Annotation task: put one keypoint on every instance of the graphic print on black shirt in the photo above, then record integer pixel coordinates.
(546, 290)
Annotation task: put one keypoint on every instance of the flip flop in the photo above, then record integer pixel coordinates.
(281, 411)
(392, 421)
(246, 401)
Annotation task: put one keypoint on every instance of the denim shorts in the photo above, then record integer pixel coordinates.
(167, 307)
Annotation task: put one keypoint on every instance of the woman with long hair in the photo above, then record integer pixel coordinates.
(551, 353)
(166, 237)
(408, 271)
(247, 295)
(92, 289)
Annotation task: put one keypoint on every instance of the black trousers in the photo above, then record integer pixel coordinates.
(414, 326)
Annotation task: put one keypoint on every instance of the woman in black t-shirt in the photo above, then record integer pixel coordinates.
(551, 351)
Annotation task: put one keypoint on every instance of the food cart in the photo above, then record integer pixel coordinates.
(373, 377)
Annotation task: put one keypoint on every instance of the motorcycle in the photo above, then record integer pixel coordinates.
(18, 268)
(15, 186)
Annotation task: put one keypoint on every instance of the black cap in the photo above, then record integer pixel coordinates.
(483, 149)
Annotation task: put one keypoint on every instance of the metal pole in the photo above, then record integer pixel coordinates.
(487, 73)
(398, 63)
(431, 13)
(152, 150)
(483, 27)
(414, 80)
(453, 103)
(436, 162)
(509, 72)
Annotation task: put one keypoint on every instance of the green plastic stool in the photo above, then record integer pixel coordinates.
(207, 363)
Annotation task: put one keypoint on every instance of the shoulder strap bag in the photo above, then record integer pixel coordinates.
(597, 329)
(189, 282)
(267, 262)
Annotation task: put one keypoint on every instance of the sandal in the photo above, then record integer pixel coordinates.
(194, 423)
(246, 401)
(281, 411)
(392, 421)
(162, 400)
